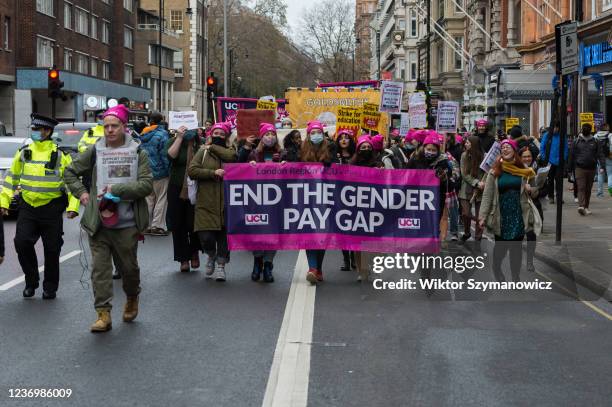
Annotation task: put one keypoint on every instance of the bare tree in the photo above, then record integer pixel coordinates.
(273, 10)
(327, 35)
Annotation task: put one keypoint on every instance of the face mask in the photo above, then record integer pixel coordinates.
(269, 141)
(218, 141)
(365, 154)
(286, 126)
(36, 135)
(316, 138)
(408, 147)
(429, 155)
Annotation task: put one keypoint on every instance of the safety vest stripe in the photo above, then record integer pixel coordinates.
(8, 185)
(41, 189)
(37, 162)
(41, 178)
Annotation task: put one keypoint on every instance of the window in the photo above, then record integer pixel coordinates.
(105, 69)
(94, 27)
(105, 31)
(128, 5)
(7, 33)
(82, 63)
(44, 52)
(412, 60)
(167, 57)
(45, 7)
(68, 16)
(67, 59)
(128, 37)
(176, 20)
(178, 63)
(459, 3)
(459, 57)
(413, 23)
(440, 9)
(128, 73)
(81, 21)
(93, 68)
(401, 24)
(441, 67)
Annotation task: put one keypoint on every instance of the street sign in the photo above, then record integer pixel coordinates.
(567, 34)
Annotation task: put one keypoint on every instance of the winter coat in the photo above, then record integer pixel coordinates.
(468, 183)
(486, 142)
(605, 139)
(587, 152)
(153, 141)
(210, 203)
(137, 192)
(489, 208)
(552, 156)
(395, 158)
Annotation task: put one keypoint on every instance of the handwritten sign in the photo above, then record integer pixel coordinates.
(266, 105)
(188, 119)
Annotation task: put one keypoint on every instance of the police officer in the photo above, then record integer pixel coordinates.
(37, 178)
(91, 136)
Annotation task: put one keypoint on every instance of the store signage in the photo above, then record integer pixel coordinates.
(596, 54)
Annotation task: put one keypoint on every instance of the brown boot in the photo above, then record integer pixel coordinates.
(103, 323)
(130, 311)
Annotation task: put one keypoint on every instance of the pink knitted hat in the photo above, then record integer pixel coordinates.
(364, 139)
(120, 112)
(312, 125)
(266, 127)
(378, 142)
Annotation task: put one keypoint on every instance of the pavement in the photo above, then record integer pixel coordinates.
(197, 342)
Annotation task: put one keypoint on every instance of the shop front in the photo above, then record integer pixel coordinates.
(596, 76)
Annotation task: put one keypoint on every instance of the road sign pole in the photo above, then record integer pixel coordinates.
(561, 167)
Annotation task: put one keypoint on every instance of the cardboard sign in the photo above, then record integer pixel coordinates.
(371, 116)
(448, 112)
(349, 118)
(227, 108)
(391, 96)
(587, 118)
(178, 119)
(511, 122)
(598, 119)
(490, 157)
(248, 121)
(266, 105)
(404, 124)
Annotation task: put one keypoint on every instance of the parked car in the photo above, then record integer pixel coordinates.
(8, 148)
(68, 135)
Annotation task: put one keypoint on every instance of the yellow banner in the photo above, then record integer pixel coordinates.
(266, 105)
(587, 118)
(511, 122)
(304, 105)
(371, 117)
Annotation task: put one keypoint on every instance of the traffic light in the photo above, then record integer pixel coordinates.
(55, 85)
(211, 85)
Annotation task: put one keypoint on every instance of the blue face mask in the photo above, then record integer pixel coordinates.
(36, 135)
(316, 138)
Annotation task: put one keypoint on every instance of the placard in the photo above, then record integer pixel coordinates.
(391, 96)
(248, 121)
(587, 118)
(188, 119)
(371, 116)
(266, 105)
(349, 118)
(448, 113)
(511, 122)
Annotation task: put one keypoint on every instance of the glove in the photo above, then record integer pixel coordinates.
(110, 197)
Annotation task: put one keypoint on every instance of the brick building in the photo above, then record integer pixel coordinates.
(7, 64)
(364, 11)
(91, 42)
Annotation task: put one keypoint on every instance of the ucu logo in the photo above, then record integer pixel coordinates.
(231, 106)
(409, 223)
(256, 219)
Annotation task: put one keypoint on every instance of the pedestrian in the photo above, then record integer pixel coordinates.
(207, 169)
(516, 134)
(36, 175)
(586, 155)
(472, 185)
(153, 140)
(549, 154)
(603, 138)
(286, 123)
(315, 149)
(291, 146)
(453, 149)
(378, 145)
(115, 215)
(364, 157)
(506, 210)
(534, 193)
(483, 131)
(268, 150)
(180, 150)
(430, 157)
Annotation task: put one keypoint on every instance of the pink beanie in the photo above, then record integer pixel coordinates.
(512, 143)
(364, 139)
(266, 127)
(458, 139)
(378, 142)
(432, 138)
(395, 132)
(348, 132)
(421, 135)
(481, 122)
(314, 125)
(120, 112)
(410, 136)
(224, 126)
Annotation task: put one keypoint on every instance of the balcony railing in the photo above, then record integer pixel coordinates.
(155, 27)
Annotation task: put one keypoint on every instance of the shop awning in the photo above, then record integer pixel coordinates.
(518, 84)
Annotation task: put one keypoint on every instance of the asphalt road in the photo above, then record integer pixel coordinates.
(202, 343)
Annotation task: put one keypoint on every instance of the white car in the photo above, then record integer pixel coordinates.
(8, 148)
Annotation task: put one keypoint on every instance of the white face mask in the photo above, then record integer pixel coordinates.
(316, 137)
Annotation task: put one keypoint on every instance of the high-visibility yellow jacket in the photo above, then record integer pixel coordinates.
(90, 137)
(37, 178)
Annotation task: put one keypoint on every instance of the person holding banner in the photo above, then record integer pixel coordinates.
(291, 145)
(268, 150)
(378, 145)
(207, 169)
(345, 150)
(507, 210)
(315, 149)
(472, 185)
(180, 150)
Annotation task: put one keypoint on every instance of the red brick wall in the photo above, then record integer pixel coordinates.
(7, 57)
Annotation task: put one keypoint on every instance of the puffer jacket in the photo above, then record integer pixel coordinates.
(552, 156)
(153, 140)
(587, 152)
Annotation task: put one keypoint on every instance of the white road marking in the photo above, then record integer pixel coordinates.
(21, 279)
(289, 375)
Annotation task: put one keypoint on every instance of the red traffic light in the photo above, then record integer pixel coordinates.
(210, 81)
(53, 74)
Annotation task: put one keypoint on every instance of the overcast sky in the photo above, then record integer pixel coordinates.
(294, 10)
